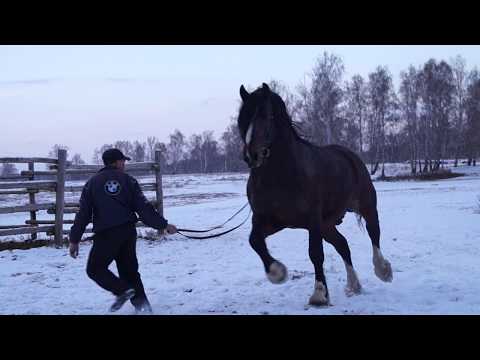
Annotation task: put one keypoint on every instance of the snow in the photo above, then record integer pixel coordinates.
(430, 234)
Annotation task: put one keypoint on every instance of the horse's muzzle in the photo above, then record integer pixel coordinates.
(257, 158)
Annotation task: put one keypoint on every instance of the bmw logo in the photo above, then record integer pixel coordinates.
(112, 187)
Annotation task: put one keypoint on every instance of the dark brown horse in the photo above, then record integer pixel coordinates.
(295, 184)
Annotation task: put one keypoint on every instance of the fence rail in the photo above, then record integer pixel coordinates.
(19, 160)
(13, 177)
(25, 184)
(26, 208)
(40, 185)
(86, 169)
(27, 230)
(19, 192)
(65, 211)
(44, 222)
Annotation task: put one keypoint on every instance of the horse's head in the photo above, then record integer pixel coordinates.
(256, 124)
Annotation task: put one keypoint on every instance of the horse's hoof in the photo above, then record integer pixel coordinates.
(382, 267)
(317, 303)
(351, 290)
(383, 271)
(319, 297)
(353, 284)
(277, 273)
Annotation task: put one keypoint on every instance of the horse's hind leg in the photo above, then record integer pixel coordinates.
(383, 269)
(276, 272)
(340, 244)
(315, 251)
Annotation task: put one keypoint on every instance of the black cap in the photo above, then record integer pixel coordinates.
(112, 155)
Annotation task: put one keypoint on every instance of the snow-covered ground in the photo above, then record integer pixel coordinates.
(430, 234)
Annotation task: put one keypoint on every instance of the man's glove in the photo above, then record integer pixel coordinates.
(171, 229)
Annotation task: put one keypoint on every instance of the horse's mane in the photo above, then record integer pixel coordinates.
(286, 120)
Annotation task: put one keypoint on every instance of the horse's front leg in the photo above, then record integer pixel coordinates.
(276, 272)
(320, 295)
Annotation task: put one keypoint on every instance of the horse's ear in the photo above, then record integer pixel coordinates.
(244, 93)
(265, 87)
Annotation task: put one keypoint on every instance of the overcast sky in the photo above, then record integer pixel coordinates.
(86, 96)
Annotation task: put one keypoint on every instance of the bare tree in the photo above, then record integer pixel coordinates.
(321, 103)
(97, 156)
(437, 88)
(356, 103)
(458, 65)
(195, 150)
(139, 151)
(209, 150)
(77, 159)
(472, 134)
(410, 97)
(381, 97)
(151, 146)
(304, 112)
(176, 148)
(232, 146)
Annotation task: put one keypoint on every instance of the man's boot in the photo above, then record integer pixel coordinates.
(122, 299)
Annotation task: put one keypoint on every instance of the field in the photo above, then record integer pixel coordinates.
(430, 234)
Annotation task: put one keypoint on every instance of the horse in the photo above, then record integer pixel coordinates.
(296, 184)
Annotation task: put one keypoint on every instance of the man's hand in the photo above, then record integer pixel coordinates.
(171, 229)
(73, 250)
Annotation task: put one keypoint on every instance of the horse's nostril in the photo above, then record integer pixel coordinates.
(265, 152)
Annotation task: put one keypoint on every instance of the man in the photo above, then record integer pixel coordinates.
(111, 199)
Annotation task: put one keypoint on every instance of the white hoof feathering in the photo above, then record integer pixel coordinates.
(319, 297)
(383, 269)
(353, 284)
(277, 273)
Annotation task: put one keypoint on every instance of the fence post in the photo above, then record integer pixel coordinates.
(60, 197)
(158, 178)
(31, 196)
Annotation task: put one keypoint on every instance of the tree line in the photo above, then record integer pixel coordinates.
(434, 115)
(199, 153)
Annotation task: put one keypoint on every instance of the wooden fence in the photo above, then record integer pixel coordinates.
(25, 184)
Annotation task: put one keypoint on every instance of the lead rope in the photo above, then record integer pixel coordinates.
(216, 227)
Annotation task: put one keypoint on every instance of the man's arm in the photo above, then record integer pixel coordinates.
(148, 214)
(83, 217)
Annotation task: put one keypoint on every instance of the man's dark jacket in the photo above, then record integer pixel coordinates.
(111, 198)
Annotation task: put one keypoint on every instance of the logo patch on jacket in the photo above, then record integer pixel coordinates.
(112, 187)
